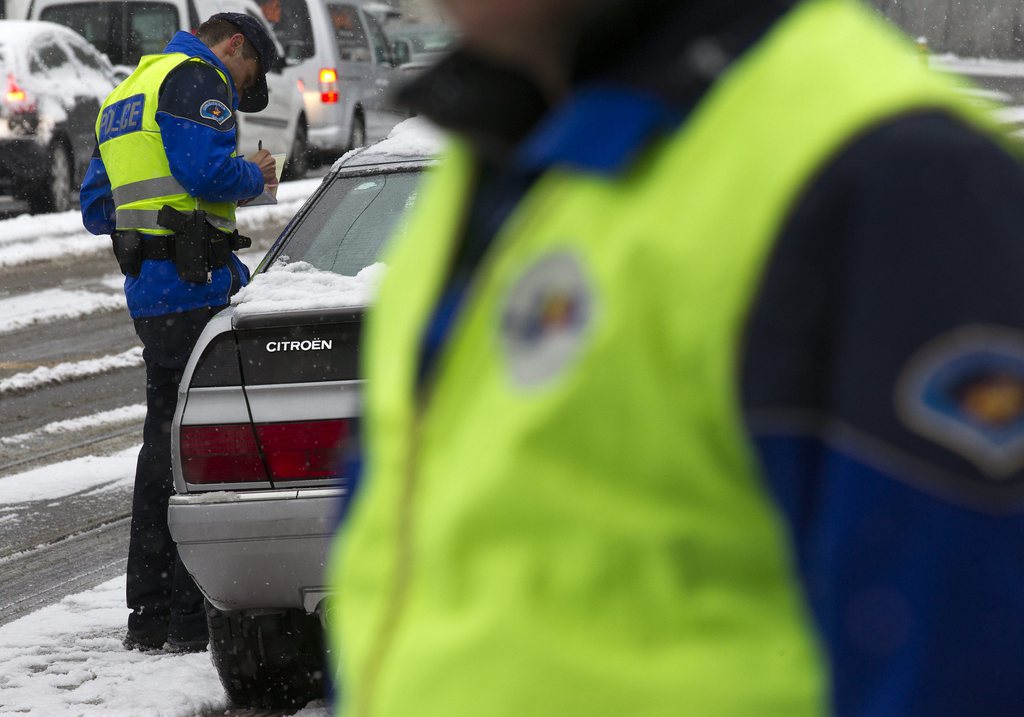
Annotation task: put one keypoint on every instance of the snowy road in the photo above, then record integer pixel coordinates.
(71, 408)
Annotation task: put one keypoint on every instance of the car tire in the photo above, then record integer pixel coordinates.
(298, 159)
(269, 661)
(357, 136)
(54, 193)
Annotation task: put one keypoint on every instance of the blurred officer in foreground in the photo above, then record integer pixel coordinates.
(164, 184)
(697, 386)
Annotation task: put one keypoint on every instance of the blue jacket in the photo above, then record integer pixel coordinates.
(906, 542)
(199, 151)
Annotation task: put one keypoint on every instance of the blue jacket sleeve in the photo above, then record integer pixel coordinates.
(96, 197)
(883, 385)
(198, 126)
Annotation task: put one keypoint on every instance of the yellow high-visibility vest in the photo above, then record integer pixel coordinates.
(133, 152)
(571, 520)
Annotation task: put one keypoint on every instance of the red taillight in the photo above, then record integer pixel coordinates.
(16, 96)
(328, 85)
(220, 454)
(305, 450)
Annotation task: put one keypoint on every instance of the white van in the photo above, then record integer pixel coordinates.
(125, 30)
(341, 59)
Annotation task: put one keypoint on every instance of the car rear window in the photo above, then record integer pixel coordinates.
(346, 229)
(124, 32)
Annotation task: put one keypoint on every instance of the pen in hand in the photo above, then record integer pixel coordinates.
(259, 145)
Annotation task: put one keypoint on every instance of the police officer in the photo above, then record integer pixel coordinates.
(731, 420)
(164, 183)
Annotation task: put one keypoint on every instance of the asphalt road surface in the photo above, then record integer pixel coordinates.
(58, 547)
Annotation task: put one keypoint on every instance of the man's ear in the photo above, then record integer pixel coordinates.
(236, 42)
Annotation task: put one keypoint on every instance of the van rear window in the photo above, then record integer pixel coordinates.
(294, 30)
(124, 32)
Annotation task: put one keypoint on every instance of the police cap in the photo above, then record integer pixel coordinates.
(256, 97)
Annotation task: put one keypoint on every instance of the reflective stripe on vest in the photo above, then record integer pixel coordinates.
(131, 146)
(147, 189)
(598, 541)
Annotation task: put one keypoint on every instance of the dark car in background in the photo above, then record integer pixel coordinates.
(267, 420)
(54, 84)
(417, 46)
(125, 30)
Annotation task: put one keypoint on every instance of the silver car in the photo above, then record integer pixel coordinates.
(341, 59)
(266, 425)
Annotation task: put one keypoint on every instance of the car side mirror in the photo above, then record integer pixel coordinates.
(400, 52)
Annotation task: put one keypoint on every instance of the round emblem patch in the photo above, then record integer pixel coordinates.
(965, 391)
(215, 110)
(545, 319)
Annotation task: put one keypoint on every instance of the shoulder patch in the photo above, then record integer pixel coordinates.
(965, 391)
(215, 110)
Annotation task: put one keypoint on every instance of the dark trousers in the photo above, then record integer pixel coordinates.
(162, 596)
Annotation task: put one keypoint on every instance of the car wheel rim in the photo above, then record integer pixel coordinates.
(299, 150)
(60, 181)
(358, 134)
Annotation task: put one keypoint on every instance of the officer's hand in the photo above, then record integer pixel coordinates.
(268, 167)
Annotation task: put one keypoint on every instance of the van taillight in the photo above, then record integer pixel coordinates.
(221, 454)
(305, 450)
(328, 85)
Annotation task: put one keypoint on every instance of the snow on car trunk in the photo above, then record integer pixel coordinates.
(301, 286)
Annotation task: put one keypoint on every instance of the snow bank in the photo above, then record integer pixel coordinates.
(31, 226)
(103, 419)
(60, 480)
(67, 659)
(49, 248)
(978, 66)
(69, 371)
(54, 305)
(413, 138)
(299, 286)
(46, 237)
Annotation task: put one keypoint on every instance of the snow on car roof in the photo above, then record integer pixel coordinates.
(18, 33)
(301, 286)
(411, 140)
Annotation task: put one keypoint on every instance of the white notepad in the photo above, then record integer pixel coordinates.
(269, 195)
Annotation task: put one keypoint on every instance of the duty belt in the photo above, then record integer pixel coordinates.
(161, 246)
(194, 256)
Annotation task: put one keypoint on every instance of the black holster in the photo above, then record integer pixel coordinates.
(199, 247)
(128, 251)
